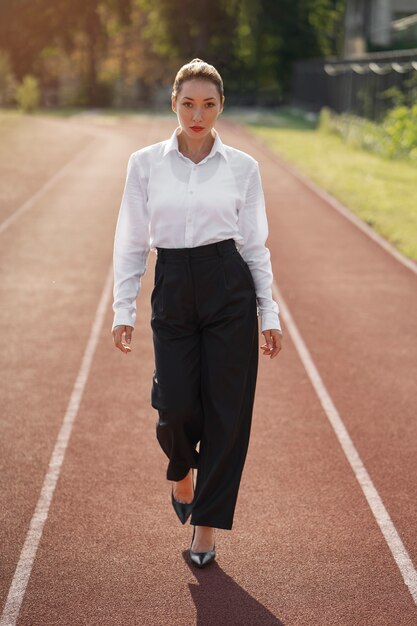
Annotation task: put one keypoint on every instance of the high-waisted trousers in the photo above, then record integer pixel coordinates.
(205, 335)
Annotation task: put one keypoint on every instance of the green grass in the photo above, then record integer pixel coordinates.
(382, 192)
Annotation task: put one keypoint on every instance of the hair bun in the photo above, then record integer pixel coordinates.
(195, 69)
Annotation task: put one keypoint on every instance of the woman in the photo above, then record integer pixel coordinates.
(200, 205)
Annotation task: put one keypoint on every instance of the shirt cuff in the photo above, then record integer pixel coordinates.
(124, 317)
(270, 321)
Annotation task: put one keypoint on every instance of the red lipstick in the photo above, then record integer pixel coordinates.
(197, 128)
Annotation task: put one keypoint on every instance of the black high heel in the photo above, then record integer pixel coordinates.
(183, 509)
(201, 559)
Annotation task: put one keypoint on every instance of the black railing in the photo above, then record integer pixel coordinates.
(355, 84)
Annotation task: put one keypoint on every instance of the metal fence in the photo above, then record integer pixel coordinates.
(355, 84)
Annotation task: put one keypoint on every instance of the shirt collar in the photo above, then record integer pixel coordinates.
(218, 145)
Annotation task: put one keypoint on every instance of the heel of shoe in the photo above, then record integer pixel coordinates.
(201, 559)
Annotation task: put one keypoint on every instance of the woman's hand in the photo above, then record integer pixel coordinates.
(118, 332)
(273, 342)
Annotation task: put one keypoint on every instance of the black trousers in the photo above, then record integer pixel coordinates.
(205, 335)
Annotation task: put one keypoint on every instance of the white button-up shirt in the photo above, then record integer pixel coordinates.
(171, 202)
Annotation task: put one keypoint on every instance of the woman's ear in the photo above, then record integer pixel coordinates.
(173, 103)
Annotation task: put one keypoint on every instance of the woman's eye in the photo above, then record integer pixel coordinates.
(209, 104)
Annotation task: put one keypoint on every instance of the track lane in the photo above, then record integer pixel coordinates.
(32, 148)
(119, 560)
(52, 261)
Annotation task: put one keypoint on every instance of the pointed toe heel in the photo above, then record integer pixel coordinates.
(182, 509)
(202, 559)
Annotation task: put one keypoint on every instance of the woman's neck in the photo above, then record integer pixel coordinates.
(195, 148)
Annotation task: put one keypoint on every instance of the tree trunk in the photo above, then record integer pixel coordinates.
(92, 30)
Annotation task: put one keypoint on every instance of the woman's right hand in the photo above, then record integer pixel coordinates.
(118, 332)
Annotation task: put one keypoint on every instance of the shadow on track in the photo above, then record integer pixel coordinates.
(220, 600)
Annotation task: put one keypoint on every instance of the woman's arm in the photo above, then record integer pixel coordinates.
(253, 226)
(131, 246)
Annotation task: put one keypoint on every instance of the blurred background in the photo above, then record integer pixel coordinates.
(352, 55)
(299, 73)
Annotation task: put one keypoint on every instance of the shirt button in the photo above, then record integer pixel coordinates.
(191, 192)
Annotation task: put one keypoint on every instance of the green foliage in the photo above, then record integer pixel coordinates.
(395, 137)
(325, 121)
(396, 97)
(326, 18)
(253, 43)
(287, 31)
(400, 127)
(28, 94)
(7, 80)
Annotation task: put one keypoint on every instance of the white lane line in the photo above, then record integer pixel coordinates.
(27, 556)
(380, 513)
(49, 183)
(334, 203)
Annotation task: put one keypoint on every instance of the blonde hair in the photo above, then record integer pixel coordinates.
(197, 69)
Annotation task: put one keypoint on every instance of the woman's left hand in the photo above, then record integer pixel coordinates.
(273, 343)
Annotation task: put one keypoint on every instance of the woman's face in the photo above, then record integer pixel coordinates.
(197, 104)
